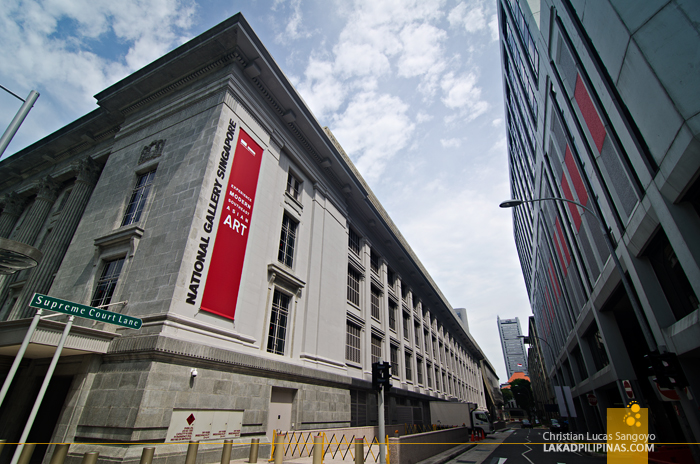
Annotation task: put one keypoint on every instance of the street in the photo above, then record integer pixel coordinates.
(520, 446)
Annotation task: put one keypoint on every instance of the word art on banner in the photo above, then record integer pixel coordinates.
(203, 424)
(208, 226)
(224, 277)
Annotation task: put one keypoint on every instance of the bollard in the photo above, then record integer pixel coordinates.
(254, 446)
(59, 453)
(279, 448)
(2, 443)
(359, 451)
(146, 455)
(226, 452)
(91, 457)
(26, 454)
(318, 449)
(192, 452)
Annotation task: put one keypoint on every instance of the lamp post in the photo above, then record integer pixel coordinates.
(648, 337)
(687, 406)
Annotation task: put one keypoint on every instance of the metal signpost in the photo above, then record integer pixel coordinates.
(44, 302)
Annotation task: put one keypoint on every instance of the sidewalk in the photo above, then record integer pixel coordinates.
(484, 447)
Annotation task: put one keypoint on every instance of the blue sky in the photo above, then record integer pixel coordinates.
(411, 88)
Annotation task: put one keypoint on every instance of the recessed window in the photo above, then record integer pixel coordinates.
(376, 348)
(294, 186)
(406, 324)
(374, 261)
(409, 371)
(287, 241)
(375, 303)
(394, 354)
(354, 242)
(107, 283)
(353, 286)
(419, 371)
(278, 322)
(352, 343)
(138, 198)
(392, 315)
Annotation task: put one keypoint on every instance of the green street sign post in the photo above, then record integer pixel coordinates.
(40, 301)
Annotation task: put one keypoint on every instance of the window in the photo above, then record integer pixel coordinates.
(374, 262)
(376, 348)
(417, 338)
(390, 277)
(287, 241)
(138, 198)
(426, 341)
(375, 303)
(429, 374)
(353, 286)
(392, 315)
(278, 322)
(419, 371)
(354, 242)
(404, 292)
(107, 283)
(406, 324)
(352, 343)
(409, 372)
(394, 354)
(293, 186)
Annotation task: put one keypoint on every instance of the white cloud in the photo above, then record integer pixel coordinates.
(373, 128)
(37, 53)
(422, 117)
(294, 29)
(422, 50)
(461, 92)
(471, 19)
(322, 92)
(450, 143)
(493, 27)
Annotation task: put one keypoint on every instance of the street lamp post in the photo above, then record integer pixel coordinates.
(646, 331)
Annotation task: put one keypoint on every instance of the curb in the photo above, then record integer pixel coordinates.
(447, 455)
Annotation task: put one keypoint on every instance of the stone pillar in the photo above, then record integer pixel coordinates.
(41, 277)
(14, 205)
(30, 228)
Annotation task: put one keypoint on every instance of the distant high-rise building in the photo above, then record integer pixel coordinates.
(601, 109)
(462, 315)
(512, 345)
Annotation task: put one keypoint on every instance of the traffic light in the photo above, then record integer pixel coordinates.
(381, 375)
(667, 370)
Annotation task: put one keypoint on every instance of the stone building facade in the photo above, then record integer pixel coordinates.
(204, 198)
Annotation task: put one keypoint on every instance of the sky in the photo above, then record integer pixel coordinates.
(411, 89)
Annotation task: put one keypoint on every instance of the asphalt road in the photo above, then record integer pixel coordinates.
(521, 446)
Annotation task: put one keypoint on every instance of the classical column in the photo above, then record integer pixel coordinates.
(41, 277)
(14, 205)
(30, 228)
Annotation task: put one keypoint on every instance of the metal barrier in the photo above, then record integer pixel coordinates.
(301, 444)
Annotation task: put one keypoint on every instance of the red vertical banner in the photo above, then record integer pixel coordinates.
(224, 277)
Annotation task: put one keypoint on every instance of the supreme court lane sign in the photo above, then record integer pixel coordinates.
(40, 301)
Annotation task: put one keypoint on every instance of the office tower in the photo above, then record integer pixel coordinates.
(512, 345)
(602, 104)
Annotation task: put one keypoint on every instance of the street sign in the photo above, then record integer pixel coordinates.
(592, 400)
(628, 389)
(40, 301)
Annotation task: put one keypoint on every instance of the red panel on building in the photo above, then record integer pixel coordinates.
(590, 115)
(224, 278)
(576, 177)
(573, 209)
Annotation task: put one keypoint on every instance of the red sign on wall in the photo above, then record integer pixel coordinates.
(224, 277)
